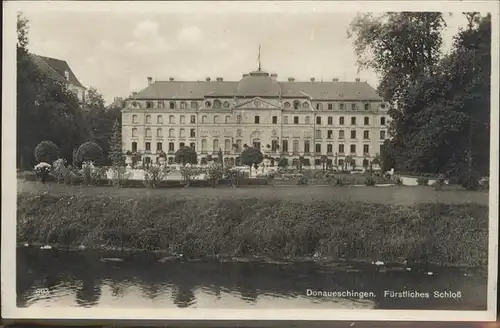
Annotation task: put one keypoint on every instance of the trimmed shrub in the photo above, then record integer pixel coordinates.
(47, 151)
(422, 181)
(88, 151)
(370, 181)
(470, 182)
(302, 181)
(119, 176)
(340, 181)
(399, 181)
(440, 182)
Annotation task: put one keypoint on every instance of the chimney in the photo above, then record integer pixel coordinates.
(170, 78)
(150, 79)
(291, 79)
(220, 79)
(357, 79)
(274, 76)
(207, 79)
(313, 79)
(336, 79)
(66, 75)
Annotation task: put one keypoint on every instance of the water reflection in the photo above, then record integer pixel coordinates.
(80, 279)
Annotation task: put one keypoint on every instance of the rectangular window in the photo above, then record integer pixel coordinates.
(239, 144)
(285, 146)
(341, 134)
(134, 147)
(353, 106)
(341, 120)
(256, 119)
(353, 149)
(182, 144)
(366, 149)
(367, 106)
(341, 106)
(285, 119)
(382, 121)
(318, 148)
(329, 148)
(330, 134)
(330, 120)
(183, 119)
(295, 120)
(192, 145)
(192, 133)
(367, 121)
(318, 120)
(274, 145)
(307, 146)
(158, 146)
(295, 146)
(341, 148)
(275, 119)
(353, 134)
(330, 106)
(148, 146)
(353, 120)
(366, 134)
(193, 119)
(318, 134)
(171, 146)
(382, 135)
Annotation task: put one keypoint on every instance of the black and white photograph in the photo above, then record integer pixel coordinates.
(250, 160)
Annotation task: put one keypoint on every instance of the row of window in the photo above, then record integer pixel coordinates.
(192, 133)
(219, 104)
(228, 146)
(274, 120)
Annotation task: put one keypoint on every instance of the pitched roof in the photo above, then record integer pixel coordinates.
(56, 68)
(201, 89)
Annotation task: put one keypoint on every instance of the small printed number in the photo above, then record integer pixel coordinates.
(42, 291)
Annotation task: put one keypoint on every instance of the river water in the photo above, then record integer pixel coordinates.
(84, 279)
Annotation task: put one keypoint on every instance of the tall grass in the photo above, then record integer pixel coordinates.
(433, 233)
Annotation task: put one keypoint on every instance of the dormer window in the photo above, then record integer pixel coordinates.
(226, 104)
(287, 104)
(183, 104)
(296, 104)
(305, 105)
(172, 105)
(217, 104)
(208, 104)
(194, 105)
(66, 75)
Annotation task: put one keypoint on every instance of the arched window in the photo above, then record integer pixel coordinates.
(217, 104)
(134, 132)
(172, 105)
(226, 104)
(148, 132)
(134, 119)
(208, 104)
(287, 104)
(238, 119)
(330, 120)
(204, 144)
(238, 133)
(216, 145)
(227, 145)
(148, 119)
(308, 120)
(159, 133)
(171, 133)
(159, 119)
(134, 146)
(171, 119)
(353, 120)
(204, 119)
(216, 119)
(194, 105)
(227, 119)
(367, 120)
(149, 104)
(193, 119)
(305, 105)
(318, 120)
(182, 133)
(296, 104)
(182, 119)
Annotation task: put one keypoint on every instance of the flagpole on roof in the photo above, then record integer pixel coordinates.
(260, 65)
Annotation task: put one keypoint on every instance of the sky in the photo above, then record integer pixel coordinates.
(115, 52)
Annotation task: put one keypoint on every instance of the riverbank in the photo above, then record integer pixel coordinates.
(258, 227)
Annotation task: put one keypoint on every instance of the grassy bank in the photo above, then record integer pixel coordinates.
(277, 228)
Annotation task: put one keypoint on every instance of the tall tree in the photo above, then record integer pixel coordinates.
(115, 145)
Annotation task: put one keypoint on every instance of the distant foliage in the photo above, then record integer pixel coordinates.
(186, 155)
(440, 182)
(89, 151)
(422, 181)
(302, 181)
(119, 176)
(115, 146)
(91, 174)
(251, 156)
(215, 172)
(153, 175)
(47, 152)
(470, 182)
(370, 181)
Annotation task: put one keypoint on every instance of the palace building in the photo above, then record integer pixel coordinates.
(289, 119)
